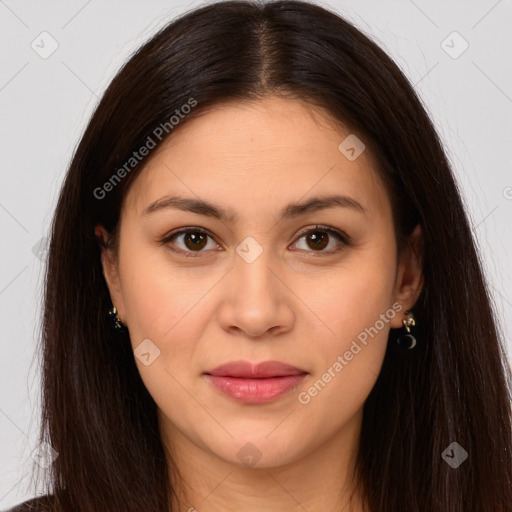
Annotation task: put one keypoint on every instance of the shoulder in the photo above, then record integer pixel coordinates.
(39, 504)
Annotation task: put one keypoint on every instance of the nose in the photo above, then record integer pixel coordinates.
(256, 301)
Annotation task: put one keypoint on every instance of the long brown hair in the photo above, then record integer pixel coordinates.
(454, 387)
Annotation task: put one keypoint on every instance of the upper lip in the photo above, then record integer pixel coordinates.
(245, 369)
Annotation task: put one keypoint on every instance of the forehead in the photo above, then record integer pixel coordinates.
(269, 151)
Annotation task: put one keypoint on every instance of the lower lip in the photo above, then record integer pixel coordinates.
(256, 391)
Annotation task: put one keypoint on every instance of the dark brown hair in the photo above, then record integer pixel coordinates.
(455, 385)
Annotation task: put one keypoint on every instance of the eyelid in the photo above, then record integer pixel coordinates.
(344, 238)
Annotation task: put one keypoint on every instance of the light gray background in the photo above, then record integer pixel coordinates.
(45, 104)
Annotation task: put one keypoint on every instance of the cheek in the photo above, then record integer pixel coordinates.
(356, 296)
(163, 306)
(358, 309)
(159, 295)
(356, 312)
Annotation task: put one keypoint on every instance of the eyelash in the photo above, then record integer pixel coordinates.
(343, 237)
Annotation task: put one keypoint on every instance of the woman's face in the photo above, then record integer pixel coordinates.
(261, 283)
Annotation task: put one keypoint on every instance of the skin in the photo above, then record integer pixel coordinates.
(293, 304)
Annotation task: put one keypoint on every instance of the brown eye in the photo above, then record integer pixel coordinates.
(318, 238)
(194, 240)
(189, 242)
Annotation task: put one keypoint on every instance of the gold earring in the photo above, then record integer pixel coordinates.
(407, 341)
(116, 324)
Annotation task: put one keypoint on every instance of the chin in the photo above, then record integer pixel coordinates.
(258, 451)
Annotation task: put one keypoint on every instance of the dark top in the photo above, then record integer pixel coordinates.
(40, 504)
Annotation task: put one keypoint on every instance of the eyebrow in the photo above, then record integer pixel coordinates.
(292, 210)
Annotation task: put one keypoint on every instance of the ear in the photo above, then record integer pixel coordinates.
(110, 269)
(409, 280)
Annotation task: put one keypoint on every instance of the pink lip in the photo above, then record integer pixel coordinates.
(255, 384)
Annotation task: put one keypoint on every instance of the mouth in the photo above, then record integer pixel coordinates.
(255, 384)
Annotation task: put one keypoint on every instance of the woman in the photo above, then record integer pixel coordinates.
(263, 292)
